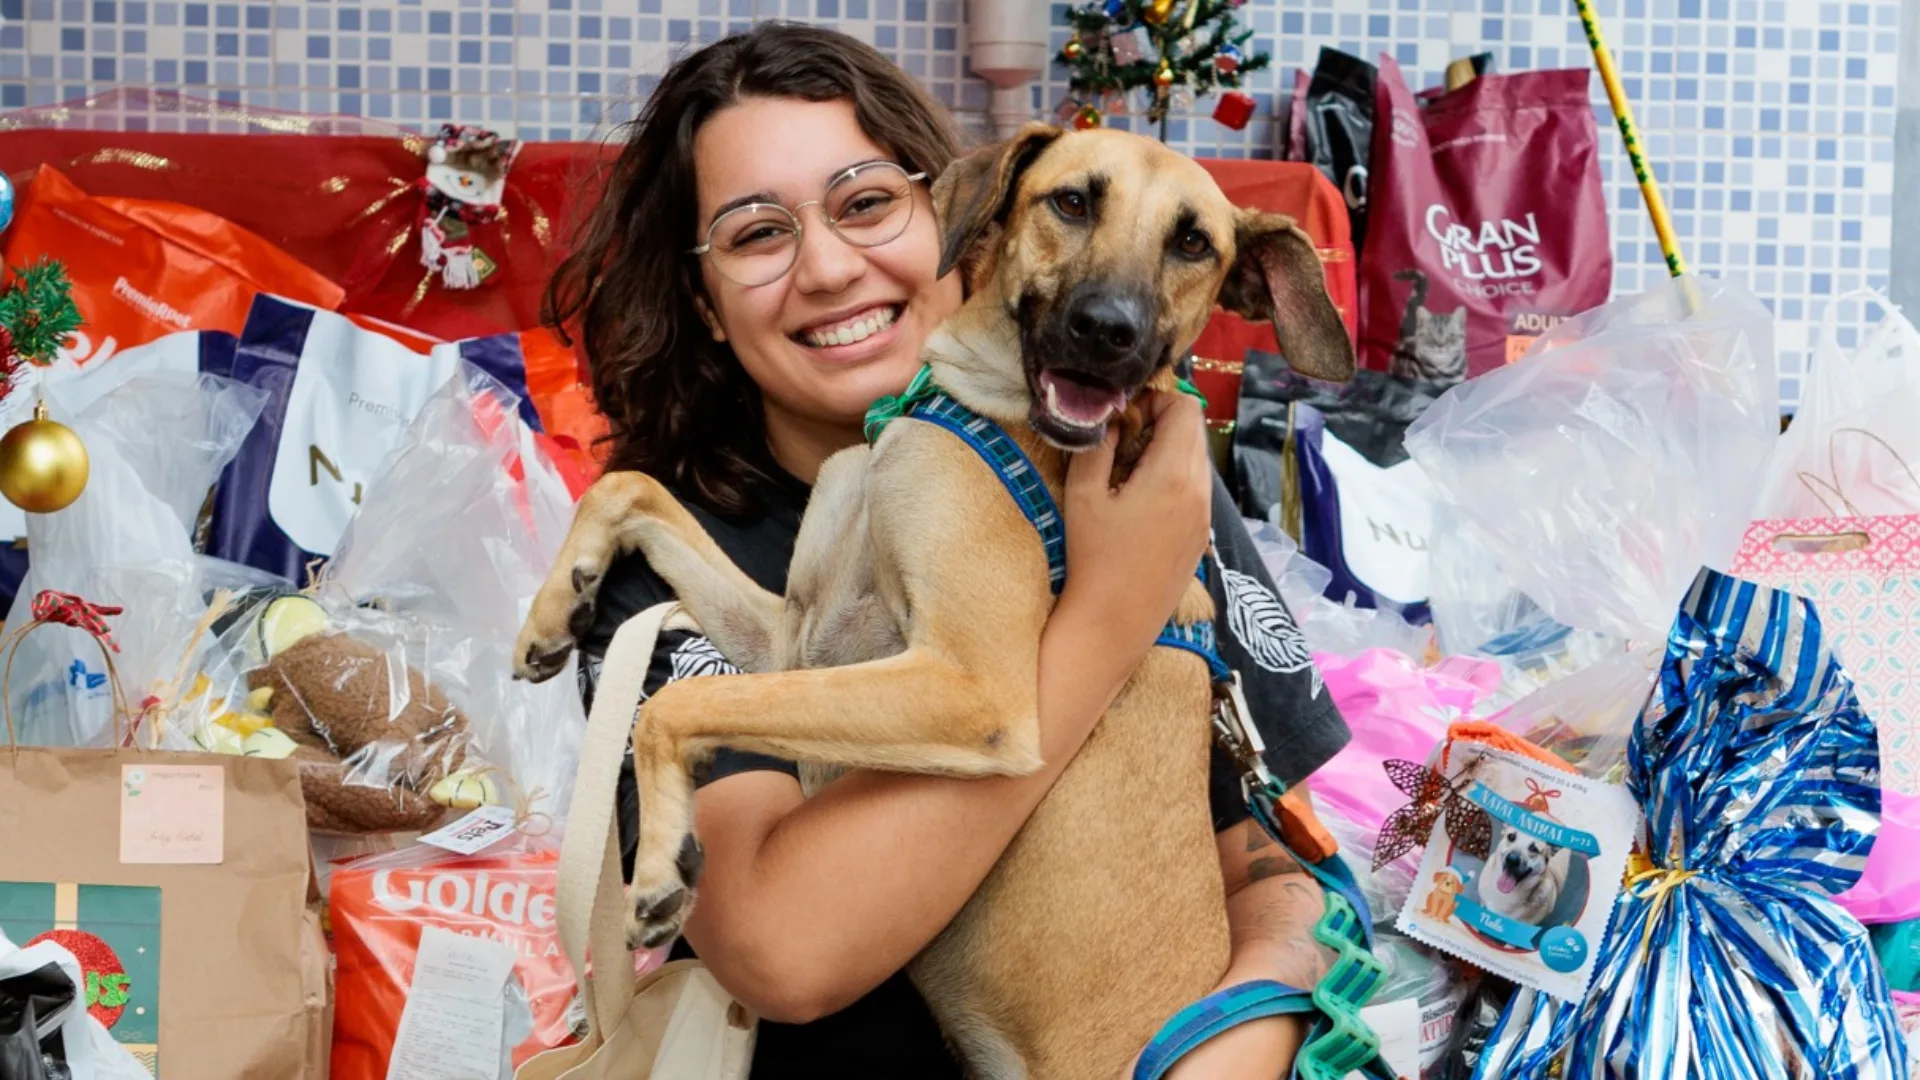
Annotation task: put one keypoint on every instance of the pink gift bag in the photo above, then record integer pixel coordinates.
(1863, 575)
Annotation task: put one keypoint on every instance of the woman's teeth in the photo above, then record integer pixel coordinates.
(847, 333)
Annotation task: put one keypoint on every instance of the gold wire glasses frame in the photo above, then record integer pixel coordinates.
(756, 244)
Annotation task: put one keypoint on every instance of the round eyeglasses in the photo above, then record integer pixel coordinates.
(756, 244)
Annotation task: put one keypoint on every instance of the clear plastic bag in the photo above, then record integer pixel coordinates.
(156, 444)
(390, 678)
(1853, 449)
(1341, 629)
(1619, 456)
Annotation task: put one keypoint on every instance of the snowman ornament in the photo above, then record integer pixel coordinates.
(465, 181)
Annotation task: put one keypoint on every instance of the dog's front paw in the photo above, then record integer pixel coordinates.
(657, 907)
(561, 615)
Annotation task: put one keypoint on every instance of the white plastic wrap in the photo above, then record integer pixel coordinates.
(156, 444)
(1344, 629)
(1853, 449)
(1619, 456)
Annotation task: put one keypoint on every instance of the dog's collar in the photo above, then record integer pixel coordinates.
(923, 388)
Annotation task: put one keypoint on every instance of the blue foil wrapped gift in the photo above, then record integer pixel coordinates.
(1727, 958)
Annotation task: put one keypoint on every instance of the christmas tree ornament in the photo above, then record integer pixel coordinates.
(1087, 118)
(1235, 109)
(1157, 11)
(465, 180)
(1116, 10)
(1163, 78)
(1227, 60)
(43, 464)
(1127, 47)
(6, 202)
(1073, 48)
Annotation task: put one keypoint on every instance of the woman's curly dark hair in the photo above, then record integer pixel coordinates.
(679, 405)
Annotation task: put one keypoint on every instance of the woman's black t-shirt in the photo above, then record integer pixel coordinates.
(890, 1033)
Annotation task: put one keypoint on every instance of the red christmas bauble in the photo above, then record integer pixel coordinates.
(1088, 117)
(1072, 50)
(1164, 77)
(106, 977)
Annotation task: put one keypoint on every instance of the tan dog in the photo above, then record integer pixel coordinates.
(1444, 896)
(910, 633)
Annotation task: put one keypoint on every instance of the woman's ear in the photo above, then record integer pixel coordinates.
(707, 316)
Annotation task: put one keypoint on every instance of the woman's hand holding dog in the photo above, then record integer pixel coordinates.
(1133, 548)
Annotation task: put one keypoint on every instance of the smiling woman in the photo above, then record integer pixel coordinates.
(766, 263)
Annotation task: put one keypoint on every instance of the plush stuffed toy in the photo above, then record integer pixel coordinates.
(364, 766)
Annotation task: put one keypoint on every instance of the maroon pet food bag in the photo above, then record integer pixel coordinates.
(1487, 222)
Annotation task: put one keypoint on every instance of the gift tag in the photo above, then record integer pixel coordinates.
(476, 832)
(1533, 907)
(172, 814)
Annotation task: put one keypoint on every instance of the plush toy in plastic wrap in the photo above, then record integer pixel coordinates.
(388, 679)
(1727, 956)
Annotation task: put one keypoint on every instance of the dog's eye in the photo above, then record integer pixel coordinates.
(1071, 204)
(1194, 244)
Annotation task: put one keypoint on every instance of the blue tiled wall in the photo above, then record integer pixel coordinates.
(1770, 122)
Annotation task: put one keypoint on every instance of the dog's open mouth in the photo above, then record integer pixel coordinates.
(1506, 882)
(1077, 406)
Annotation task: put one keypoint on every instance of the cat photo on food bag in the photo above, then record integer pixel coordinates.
(1433, 344)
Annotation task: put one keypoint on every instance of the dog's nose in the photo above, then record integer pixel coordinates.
(1107, 322)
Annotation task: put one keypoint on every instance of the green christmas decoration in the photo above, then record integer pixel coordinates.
(37, 312)
(1197, 46)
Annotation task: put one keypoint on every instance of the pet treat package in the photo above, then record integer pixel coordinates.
(389, 680)
(1728, 955)
(1486, 222)
(1520, 873)
(391, 915)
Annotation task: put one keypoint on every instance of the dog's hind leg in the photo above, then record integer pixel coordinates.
(629, 511)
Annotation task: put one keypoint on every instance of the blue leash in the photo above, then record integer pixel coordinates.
(1339, 1042)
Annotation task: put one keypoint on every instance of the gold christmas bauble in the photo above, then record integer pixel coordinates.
(1164, 77)
(43, 465)
(1157, 11)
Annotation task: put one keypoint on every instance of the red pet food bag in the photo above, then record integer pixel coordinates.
(1487, 222)
(379, 905)
(142, 268)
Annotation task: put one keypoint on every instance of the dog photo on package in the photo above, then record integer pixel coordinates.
(1521, 872)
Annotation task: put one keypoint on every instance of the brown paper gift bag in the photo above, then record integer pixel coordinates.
(232, 1001)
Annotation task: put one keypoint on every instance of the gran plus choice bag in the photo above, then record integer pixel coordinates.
(1487, 222)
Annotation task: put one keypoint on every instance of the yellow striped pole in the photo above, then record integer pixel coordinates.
(1630, 136)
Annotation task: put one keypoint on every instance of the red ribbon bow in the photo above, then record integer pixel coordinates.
(66, 609)
(1537, 796)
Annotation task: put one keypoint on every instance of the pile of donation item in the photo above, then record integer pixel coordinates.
(1632, 785)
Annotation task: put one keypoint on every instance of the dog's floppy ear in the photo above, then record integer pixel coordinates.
(1277, 276)
(976, 190)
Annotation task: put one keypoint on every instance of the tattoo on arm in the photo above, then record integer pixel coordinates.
(1257, 837)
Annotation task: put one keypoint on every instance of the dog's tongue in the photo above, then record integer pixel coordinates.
(1506, 882)
(1080, 404)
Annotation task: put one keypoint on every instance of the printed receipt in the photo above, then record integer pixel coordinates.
(456, 1007)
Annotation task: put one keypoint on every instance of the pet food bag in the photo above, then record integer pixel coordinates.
(502, 901)
(1728, 955)
(1486, 222)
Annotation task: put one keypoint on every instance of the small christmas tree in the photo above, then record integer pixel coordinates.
(1164, 46)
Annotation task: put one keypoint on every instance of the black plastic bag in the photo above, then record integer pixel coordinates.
(1338, 124)
(26, 1000)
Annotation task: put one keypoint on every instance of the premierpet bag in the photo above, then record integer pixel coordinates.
(1486, 222)
(676, 1023)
